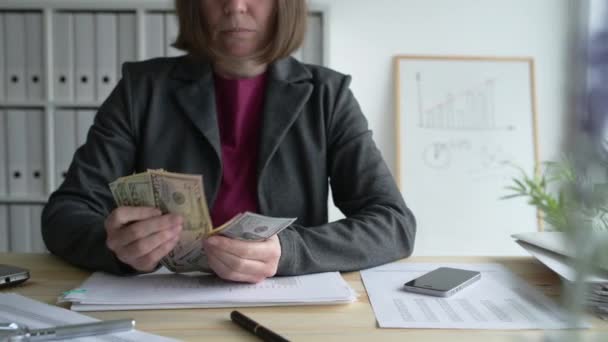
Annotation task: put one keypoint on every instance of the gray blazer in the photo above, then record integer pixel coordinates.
(162, 114)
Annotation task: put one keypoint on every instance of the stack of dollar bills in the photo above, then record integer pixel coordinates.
(183, 194)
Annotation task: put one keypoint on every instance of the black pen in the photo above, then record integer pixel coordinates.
(253, 327)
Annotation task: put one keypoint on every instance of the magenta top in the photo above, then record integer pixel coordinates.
(239, 113)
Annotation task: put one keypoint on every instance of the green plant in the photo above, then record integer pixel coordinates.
(563, 196)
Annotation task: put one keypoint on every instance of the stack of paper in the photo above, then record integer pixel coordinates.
(165, 290)
(499, 300)
(553, 250)
(34, 314)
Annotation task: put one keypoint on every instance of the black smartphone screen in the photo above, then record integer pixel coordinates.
(442, 279)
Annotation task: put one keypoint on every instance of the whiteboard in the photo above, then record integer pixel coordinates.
(462, 125)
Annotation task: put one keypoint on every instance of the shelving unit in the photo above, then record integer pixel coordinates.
(59, 60)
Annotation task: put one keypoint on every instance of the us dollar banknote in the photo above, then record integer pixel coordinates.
(180, 194)
(183, 194)
(249, 226)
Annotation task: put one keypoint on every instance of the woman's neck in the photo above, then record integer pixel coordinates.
(240, 69)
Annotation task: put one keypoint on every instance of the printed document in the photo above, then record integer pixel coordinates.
(18, 309)
(165, 290)
(499, 300)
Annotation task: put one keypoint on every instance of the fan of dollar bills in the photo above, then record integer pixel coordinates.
(183, 194)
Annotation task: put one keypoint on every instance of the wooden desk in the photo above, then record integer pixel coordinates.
(351, 322)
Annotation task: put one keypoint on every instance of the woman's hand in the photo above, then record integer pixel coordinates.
(141, 236)
(244, 261)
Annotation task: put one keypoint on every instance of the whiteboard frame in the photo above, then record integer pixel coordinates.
(398, 59)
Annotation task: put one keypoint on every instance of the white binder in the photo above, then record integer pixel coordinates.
(65, 143)
(17, 152)
(84, 121)
(35, 153)
(127, 40)
(312, 47)
(106, 54)
(20, 228)
(3, 155)
(15, 56)
(35, 54)
(37, 243)
(63, 73)
(171, 30)
(155, 35)
(84, 46)
(3, 78)
(4, 235)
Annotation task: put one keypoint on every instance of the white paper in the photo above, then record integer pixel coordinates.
(561, 264)
(597, 292)
(499, 300)
(162, 290)
(553, 241)
(19, 309)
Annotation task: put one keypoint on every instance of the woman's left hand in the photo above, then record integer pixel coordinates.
(244, 261)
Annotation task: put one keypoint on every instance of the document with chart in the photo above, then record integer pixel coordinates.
(499, 300)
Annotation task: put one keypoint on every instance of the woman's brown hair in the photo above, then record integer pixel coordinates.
(289, 29)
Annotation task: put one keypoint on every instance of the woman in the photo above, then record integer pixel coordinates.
(265, 131)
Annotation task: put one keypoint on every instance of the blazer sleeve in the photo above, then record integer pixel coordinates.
(378, 227)
(73, 219)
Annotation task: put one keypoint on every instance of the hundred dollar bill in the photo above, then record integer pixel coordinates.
(183, 194)
(249, 226)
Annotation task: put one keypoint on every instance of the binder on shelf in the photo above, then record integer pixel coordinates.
(63, 52)
(3, 78)
(20, 228)
(17, 152)
(35, 53)
(127, 40)
(84, 46)
(106, 53)
(84, 121)
(155, 35)
(312, 47)
(35, 153)
(37, 243)
(4, 235)
(65, 143)
(14, 22)
(171, 30)
(3, 155)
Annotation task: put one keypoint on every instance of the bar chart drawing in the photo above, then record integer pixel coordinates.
(472, 108)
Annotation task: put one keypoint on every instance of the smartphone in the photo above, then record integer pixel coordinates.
(12, 275)
(442, 282)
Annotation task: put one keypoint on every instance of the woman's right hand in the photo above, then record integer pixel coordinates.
(142, 236)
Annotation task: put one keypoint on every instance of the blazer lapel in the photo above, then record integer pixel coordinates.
(284, 101)
(196, 97)
(286, 95)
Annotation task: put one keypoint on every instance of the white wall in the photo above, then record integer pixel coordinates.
(364, 35)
